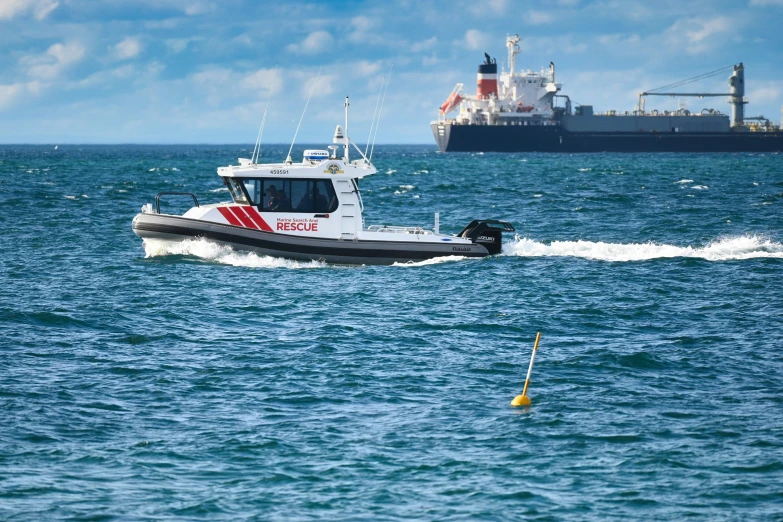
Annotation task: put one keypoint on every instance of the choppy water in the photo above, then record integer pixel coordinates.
(201, 383)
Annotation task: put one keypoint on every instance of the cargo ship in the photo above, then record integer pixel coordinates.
(523, 111)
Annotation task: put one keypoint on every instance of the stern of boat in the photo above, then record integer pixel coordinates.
(487, 233)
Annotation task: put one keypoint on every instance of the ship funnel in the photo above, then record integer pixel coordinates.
(487, 78)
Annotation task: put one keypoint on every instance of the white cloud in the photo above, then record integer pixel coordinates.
(199, 8)
(324, 87)
(178, 44)
(576, 48)
(498, 6)
(243, 39)
(430, 60)
(364, 68)
(363, 23)
(315, 43)
(618, 40)
(364, 30)
(305, 79)
(539, 18)
(424, 45)
(488, 7)
(11, 93)
(263, 79)
(44, 7)
(765, 93)
(56, 59)
(475, 40)
(700, 35)
(103, 77)
(167, 23)
(40, 8)
(216, 76)
(128, 48)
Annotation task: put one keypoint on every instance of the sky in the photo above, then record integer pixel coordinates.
(201, 71)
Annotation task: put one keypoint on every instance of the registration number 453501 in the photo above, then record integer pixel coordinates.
(278, 171)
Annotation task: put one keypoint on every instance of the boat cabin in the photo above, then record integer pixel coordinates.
(318, 197)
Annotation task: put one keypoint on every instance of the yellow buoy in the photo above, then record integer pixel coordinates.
(524, 400)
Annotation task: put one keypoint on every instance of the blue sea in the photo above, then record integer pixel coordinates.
(193, 382)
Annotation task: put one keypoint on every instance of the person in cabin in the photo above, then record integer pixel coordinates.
(306, 203)
(284, 204)
(313, 201)
(321, 205)
(277, 200)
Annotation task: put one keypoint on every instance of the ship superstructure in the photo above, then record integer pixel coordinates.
(524, 111)
(515, 98)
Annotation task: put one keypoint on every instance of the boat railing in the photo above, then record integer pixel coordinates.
(157, 198)
(398, 230)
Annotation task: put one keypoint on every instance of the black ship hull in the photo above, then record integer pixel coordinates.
(553, 138)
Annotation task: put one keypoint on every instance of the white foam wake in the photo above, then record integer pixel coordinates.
(210, 251)
(433, 261)
(725, 249)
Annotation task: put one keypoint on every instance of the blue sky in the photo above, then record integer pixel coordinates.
(200, 71)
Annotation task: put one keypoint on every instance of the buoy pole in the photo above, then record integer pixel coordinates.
(524, 400)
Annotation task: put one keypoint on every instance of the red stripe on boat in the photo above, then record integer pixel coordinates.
(226, 213)
(243, 217)
(257, 219)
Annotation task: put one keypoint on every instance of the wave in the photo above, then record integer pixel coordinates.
(222, 254)
(724, 249)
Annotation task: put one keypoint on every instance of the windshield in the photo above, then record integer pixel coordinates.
(235, 188)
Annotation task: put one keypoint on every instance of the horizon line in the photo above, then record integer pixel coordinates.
(71, 144)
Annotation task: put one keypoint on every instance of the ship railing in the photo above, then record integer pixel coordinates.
(398, 230)
(157, 198)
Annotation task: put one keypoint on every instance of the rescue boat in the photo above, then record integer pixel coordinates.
(310, 210)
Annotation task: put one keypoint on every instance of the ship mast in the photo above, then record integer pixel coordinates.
(513, 50)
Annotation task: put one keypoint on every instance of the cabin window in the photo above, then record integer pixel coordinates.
(292, 195)
(316, 196)
(275, 195)
(235, 188)
(251, 188)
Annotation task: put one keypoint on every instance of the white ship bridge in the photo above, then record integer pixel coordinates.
(515, 98)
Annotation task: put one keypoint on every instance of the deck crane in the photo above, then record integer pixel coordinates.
(736, 94)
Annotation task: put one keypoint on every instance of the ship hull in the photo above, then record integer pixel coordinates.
(553, 138)
(166, 227)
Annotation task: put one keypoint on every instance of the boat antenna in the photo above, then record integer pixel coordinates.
(388, 79)
(257, 149)
(377, 102)
(288, 158)
(347, 138)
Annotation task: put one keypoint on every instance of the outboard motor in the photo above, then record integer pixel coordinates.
(487, 233)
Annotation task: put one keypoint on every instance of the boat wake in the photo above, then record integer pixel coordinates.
(433, 261)
(216, 253)
(724, 249)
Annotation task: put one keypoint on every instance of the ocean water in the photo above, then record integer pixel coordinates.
(195, 382)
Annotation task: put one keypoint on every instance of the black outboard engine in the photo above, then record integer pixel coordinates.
(487, 233)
